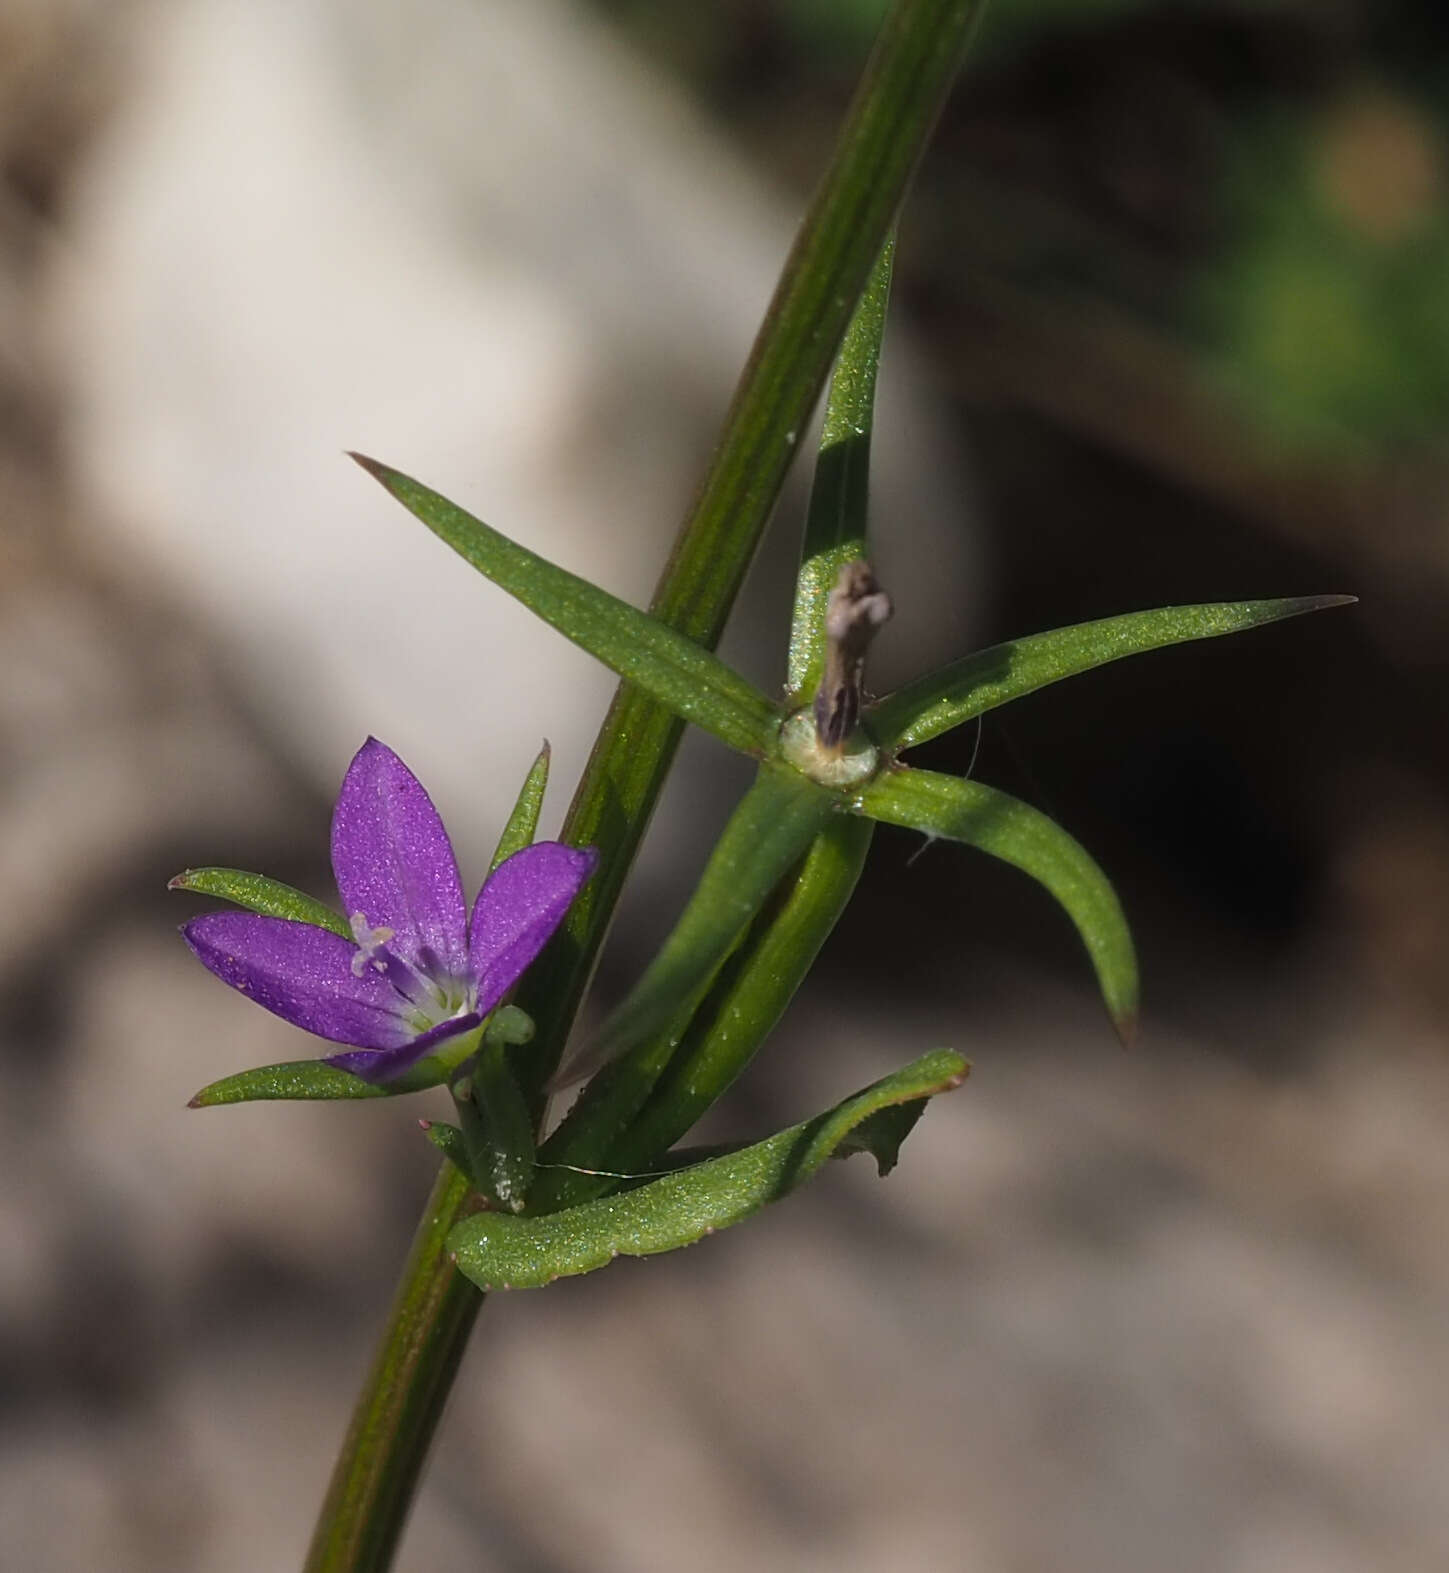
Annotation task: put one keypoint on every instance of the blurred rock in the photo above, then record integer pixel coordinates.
(1157, 1310)
(487, 245)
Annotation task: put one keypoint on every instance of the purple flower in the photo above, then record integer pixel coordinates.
(418, 971)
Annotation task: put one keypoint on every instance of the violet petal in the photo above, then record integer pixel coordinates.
(521, 905)
(301, 973)
(382, 1065)
(394, 863)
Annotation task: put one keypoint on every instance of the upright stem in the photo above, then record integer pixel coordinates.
(402, 1399)
(905, 85)
(900, 97)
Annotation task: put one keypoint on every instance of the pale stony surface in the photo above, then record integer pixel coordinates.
(1083, 1325)
(486, 246)
(1114, 1312)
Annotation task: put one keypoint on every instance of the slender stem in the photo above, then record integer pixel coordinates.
(906, 81)
(629, 1115)
(402, 1400)
(905, 85)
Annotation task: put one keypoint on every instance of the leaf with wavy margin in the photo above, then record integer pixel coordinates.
(497, 1251)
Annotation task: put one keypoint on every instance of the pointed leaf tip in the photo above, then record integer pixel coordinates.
(257, 893)
(297, 1079)
(677, 671)
(987, 678)
(374, 467)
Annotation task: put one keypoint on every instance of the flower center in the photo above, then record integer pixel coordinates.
(428, 994)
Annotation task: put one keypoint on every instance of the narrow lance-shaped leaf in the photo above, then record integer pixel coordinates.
(980, 682)
(521, 826)
(775, 822)
(835, 523)
(259, 894)
(1009, 829)
(747, 998)
(501, 1252)
(314, 1080)
(666, 664)
(296, 1079)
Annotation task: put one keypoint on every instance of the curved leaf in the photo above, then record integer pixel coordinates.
(666, 664)
(259, 894)
(500, 1252)
(1009, 829)
(980, 682)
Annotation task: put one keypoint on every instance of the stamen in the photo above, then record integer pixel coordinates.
(430, 1001)
(369, 942)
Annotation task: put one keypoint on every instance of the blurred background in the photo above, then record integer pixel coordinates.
(1171, 324)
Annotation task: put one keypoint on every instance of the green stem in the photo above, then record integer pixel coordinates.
(905, 85)
(402, 1400)
(906, 81)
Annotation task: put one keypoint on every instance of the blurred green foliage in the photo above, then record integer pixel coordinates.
(1259, 183)
(851, 24)
(1327, 311)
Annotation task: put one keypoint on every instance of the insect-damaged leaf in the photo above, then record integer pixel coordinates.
(497, 1251)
